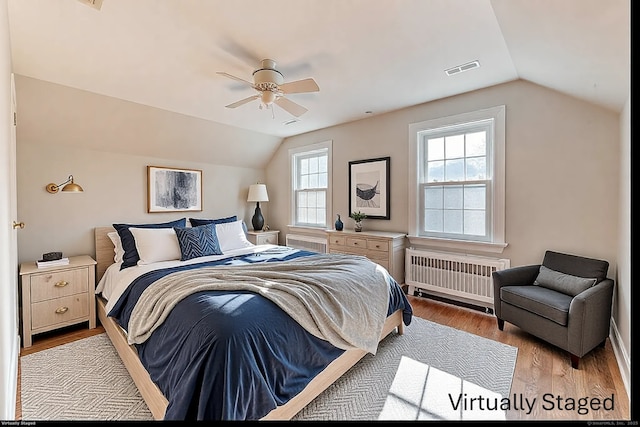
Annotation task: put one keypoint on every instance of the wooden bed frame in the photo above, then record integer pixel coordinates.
(152, 395)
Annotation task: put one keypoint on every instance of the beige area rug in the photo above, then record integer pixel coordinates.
(416, 376)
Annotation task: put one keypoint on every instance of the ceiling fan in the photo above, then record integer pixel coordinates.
(271, 88)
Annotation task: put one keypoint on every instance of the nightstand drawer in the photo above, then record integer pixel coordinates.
(51, 312)
(268, 239)
(58, 284)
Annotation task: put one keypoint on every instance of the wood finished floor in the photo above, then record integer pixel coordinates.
(542, 371)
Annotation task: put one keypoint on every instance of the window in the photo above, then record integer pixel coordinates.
(310, 178)
(458, 178)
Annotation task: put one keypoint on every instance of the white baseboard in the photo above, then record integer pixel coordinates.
(622, 357)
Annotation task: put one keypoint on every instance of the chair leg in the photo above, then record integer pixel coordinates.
(500, 324)
(575, 360)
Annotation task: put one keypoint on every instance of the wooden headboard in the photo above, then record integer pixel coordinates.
(104, 250)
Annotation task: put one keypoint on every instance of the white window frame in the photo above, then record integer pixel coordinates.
(294, 153)
(496, 151)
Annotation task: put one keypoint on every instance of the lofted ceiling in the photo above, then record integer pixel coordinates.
(365, 55)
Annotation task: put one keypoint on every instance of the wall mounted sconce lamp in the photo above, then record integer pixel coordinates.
(257, 193)
(69, 185)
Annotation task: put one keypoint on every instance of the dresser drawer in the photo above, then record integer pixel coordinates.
(377, 245)
(51, 312)
(382, 261)
(58, 284)
(336, 241)
(354, 242)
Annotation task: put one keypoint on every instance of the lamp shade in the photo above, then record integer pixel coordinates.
(72, 186)
(258, 193)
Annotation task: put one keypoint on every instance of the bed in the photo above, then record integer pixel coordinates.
(159, 349)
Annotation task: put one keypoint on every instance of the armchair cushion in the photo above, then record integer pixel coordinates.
(565, 283)
(544, 302)
(576, 265)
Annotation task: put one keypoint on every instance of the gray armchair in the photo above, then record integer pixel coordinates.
(565, 301)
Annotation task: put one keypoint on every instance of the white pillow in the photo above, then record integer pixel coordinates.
(156, 244)
(231, 236)
(118, 251)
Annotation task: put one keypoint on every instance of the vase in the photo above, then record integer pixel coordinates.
(339, 224)
(358, 226)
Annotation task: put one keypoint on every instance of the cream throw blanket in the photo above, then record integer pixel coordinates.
(342, 299)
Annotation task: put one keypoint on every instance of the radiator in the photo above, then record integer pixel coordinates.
(308, 243)
(460, 277)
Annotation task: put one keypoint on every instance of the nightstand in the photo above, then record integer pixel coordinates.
(54, 297)
(263, 237)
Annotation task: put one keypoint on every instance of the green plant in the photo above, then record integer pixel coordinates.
(357, 216)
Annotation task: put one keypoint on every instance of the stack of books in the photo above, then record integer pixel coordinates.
(56, 262)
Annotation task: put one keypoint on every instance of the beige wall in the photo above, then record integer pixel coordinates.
(561, 172)
(106, 144)
(115, 190)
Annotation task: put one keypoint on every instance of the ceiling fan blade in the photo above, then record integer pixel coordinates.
(243, 101)
(235, 78)
(290, 106)
(300, 86)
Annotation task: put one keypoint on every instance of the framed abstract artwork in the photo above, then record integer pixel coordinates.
(369, 187)
(173, 189)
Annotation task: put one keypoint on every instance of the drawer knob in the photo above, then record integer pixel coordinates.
(61, 284)
(377, 246)
(61, 310)
(355, 243)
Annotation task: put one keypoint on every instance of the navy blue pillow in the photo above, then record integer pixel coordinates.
(196, 222)
(198, 241)
(131, 256)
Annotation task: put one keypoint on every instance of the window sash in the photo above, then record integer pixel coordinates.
(311, 205)
(471, 165)
(310, 179)
(450, 210)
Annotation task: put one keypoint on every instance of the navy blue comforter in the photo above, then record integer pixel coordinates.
(231, 355)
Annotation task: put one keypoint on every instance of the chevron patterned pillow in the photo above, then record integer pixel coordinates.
(198, 241)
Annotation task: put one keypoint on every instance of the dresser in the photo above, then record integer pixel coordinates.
(383, 247)
(54, 297)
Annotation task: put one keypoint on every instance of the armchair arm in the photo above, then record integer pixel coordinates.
(590, 317)
(523, 275)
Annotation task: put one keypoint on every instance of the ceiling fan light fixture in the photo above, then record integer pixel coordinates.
(268, 97)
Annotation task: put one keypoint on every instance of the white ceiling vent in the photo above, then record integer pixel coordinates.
(464, 67)
(96, 4)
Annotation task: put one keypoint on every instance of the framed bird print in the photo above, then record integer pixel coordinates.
(369, 186)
